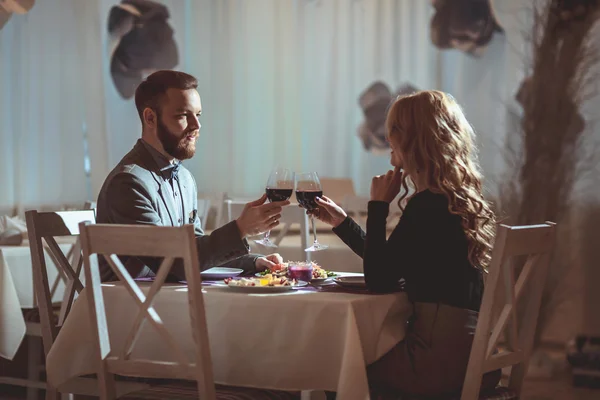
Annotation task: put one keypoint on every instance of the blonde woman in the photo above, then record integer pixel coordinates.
(440, 247)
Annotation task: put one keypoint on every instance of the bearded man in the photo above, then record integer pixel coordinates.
(150, 186)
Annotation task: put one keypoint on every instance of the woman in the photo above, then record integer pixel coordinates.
(440, 247)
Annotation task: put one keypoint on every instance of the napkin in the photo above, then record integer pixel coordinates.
(12, 230)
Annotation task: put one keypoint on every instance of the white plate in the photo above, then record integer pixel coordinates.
(317, 280)
(267, 289)
(351, 281)
(218, 273)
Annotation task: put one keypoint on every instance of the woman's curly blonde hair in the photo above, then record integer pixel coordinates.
(434, 138)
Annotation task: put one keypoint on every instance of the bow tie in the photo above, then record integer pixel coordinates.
(173, 172)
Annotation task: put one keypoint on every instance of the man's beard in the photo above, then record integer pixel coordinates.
(179, 148)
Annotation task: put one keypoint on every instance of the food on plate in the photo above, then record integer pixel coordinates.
(267, 280)
(280, 270)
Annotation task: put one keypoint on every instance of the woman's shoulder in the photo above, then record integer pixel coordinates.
(428, 200)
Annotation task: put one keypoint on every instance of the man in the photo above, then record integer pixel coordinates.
(151, 187)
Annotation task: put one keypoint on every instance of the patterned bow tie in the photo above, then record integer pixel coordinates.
(174, 171)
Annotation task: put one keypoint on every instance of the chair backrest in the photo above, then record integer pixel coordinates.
(356, 207)
(289, 216)
(203, 211)
(534, 243)
(109, 240)
(43, 228)
(337, 188)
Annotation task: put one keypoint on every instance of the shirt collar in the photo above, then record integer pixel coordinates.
(163, 164)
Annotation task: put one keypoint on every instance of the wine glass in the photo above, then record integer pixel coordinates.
(308, 187)
(279, 188)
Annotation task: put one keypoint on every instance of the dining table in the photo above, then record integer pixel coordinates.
(318, 337)
(17, 292)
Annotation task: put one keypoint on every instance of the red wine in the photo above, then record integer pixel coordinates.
(279, 194)
(306, 198)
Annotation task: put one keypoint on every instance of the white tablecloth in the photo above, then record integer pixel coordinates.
(296, 341)
(16, 292)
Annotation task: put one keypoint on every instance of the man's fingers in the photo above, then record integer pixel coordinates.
(258, 202)
(270, 213)
(276, 204)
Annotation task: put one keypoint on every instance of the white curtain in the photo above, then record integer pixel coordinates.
(41, 116)
(279, 81)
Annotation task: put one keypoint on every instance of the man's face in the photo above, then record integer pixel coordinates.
(177, 125)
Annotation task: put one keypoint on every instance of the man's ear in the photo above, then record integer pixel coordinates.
(149, 116)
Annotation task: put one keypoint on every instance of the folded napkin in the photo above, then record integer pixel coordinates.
(12, 231)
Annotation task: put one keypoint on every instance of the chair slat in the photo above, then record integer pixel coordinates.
(130, 240)
(166, 242)
(536, 242)
(163, 272)
(502, 360)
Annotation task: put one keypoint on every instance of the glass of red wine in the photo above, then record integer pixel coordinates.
(308, 187)
(280, 187)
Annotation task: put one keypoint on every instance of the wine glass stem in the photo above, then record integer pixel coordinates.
(267, 234)
(312, 221)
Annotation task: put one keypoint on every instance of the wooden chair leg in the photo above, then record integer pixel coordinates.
(52, 393)
(34, 352)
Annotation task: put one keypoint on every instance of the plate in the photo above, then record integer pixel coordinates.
(267, 289)
(316, 280)
(218, 273)
(351, 281)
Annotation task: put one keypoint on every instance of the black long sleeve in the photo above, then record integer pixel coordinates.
(428, 248)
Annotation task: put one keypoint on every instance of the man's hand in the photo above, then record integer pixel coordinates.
(258, 217)
(269, 262)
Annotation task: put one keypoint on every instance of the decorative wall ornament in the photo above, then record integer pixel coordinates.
(466, 25)
(375, 101)
(10, 7)
(145, 43)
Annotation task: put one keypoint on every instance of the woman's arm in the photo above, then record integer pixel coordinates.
(352, 234)
(384, 260)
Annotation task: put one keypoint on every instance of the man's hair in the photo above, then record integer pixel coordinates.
(150, 92)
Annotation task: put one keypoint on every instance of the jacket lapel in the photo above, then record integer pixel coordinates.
(163, 190)
(166, 197)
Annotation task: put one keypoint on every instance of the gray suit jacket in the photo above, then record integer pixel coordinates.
(135, 192)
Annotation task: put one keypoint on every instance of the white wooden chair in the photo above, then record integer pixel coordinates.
(289, 216)
(203, 211)
(42, 228)
(357, 207)
(535, 242)
(167, 242)
(337, 188)
(164, 242)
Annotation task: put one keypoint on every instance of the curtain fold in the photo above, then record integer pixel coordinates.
(279, 81)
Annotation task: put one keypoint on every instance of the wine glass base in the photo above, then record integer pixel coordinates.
(317, 247)
(266, 243)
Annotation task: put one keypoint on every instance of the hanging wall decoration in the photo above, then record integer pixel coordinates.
(374, 102)
(466, 25)
(10, 7)
(144, 43)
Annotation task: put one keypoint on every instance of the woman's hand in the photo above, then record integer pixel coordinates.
(386, 187)
(328, 212)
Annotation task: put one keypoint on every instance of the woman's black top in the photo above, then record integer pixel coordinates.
(428, 249)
